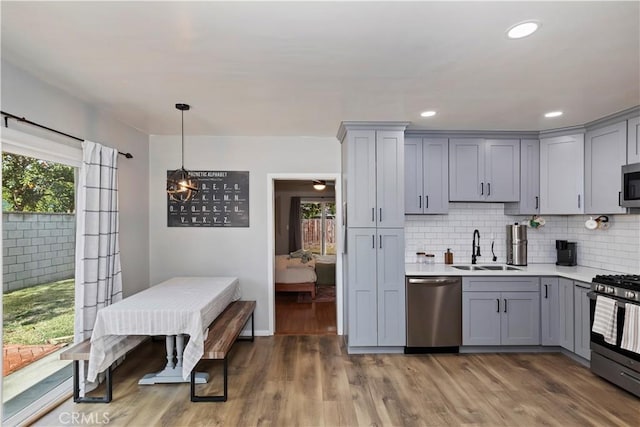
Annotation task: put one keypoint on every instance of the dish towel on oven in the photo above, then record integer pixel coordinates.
(605, 319)
(631, 330)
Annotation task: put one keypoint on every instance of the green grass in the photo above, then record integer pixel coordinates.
(39, 314)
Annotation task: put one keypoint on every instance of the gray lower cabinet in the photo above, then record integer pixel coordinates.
(376, 291)
(582, 324)
(566, 318)
(500, 311)
(549, 311)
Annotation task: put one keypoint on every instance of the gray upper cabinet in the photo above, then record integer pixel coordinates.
(633, 140)
(374, 177)
(605, 151)
(562, 175)
(359, 149)
(529, 203)
(426, 169)
(484, 170)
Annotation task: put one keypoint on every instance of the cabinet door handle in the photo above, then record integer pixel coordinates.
(380, 214)
(488, 188)
(381, 241)
(498, 301)
(373, 241)
(482, 188)
(546, 291)
(420, 202)
(536, 202)
(426, 198)
(373, 214)
(505, 305)
(578, 201)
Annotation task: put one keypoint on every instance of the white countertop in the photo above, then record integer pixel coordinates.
(583, 274)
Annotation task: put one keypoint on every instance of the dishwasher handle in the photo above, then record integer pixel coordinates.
(433, 281)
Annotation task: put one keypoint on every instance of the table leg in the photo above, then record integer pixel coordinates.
(169, 343)
(179, 349)
(172, 373)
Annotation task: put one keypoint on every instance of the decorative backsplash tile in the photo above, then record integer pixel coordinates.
(617, 248)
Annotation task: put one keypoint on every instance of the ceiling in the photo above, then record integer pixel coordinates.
(300, 68)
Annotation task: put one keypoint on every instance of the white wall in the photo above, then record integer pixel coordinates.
(616, 249)
(26, 96)
(240, 252)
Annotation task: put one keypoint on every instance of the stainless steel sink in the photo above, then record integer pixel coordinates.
(498, 267)
(466, 267)
(485, 267)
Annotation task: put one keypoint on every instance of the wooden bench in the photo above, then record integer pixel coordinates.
(81, 351)
(223, 332)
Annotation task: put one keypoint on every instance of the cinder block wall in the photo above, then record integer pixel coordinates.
(37, 248)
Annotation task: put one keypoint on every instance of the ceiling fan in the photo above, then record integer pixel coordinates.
(321, 184)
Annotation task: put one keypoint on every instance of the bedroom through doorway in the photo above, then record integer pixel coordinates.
(305, 257)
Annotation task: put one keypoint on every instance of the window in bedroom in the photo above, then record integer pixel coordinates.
(318, 227)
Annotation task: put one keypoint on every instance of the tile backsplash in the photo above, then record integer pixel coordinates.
(617, 248)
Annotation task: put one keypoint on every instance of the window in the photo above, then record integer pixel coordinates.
(38, 241)
(318, 227)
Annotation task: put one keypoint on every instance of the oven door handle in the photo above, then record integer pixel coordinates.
(621, 301)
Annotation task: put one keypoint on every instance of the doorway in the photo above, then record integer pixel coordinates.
(306, 223)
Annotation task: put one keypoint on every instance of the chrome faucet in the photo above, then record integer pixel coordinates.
(475, 248)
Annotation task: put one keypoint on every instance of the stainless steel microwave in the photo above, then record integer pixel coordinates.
(630, 196)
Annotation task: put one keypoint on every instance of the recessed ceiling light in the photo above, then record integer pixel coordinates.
(428, 113)
(522, 29)
(553, 114)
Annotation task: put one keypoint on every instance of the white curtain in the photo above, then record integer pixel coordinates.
(98, 273)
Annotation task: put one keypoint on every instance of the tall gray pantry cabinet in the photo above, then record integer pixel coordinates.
(373, 200)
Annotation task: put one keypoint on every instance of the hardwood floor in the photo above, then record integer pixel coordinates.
(291, 380)
(294, 318)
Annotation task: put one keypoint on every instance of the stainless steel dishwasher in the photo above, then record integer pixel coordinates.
(434, 314)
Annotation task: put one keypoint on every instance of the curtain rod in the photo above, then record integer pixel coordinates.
(8, 116)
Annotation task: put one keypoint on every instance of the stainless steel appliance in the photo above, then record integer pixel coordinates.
(516, 244)
(610, 361)
(434, 314)
(567, 253)
(630, 194)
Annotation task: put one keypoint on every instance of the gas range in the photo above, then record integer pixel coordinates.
(610, 360)
(625, 286)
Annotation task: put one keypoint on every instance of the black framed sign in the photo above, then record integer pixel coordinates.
(223, 201)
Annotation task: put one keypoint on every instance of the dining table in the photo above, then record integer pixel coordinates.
(180, 308)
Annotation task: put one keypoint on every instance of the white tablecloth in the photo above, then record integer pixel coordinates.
(182, 305)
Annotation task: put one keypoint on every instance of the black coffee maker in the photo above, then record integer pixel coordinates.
(566, 253)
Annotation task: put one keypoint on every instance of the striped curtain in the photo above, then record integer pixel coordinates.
(98, 273)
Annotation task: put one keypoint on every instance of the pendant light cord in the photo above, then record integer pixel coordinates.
(182, 111)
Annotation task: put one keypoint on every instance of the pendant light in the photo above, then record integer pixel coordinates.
(181, 186)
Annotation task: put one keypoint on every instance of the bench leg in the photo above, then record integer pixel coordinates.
(253, 333)
(222, 398)
(86, 399)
